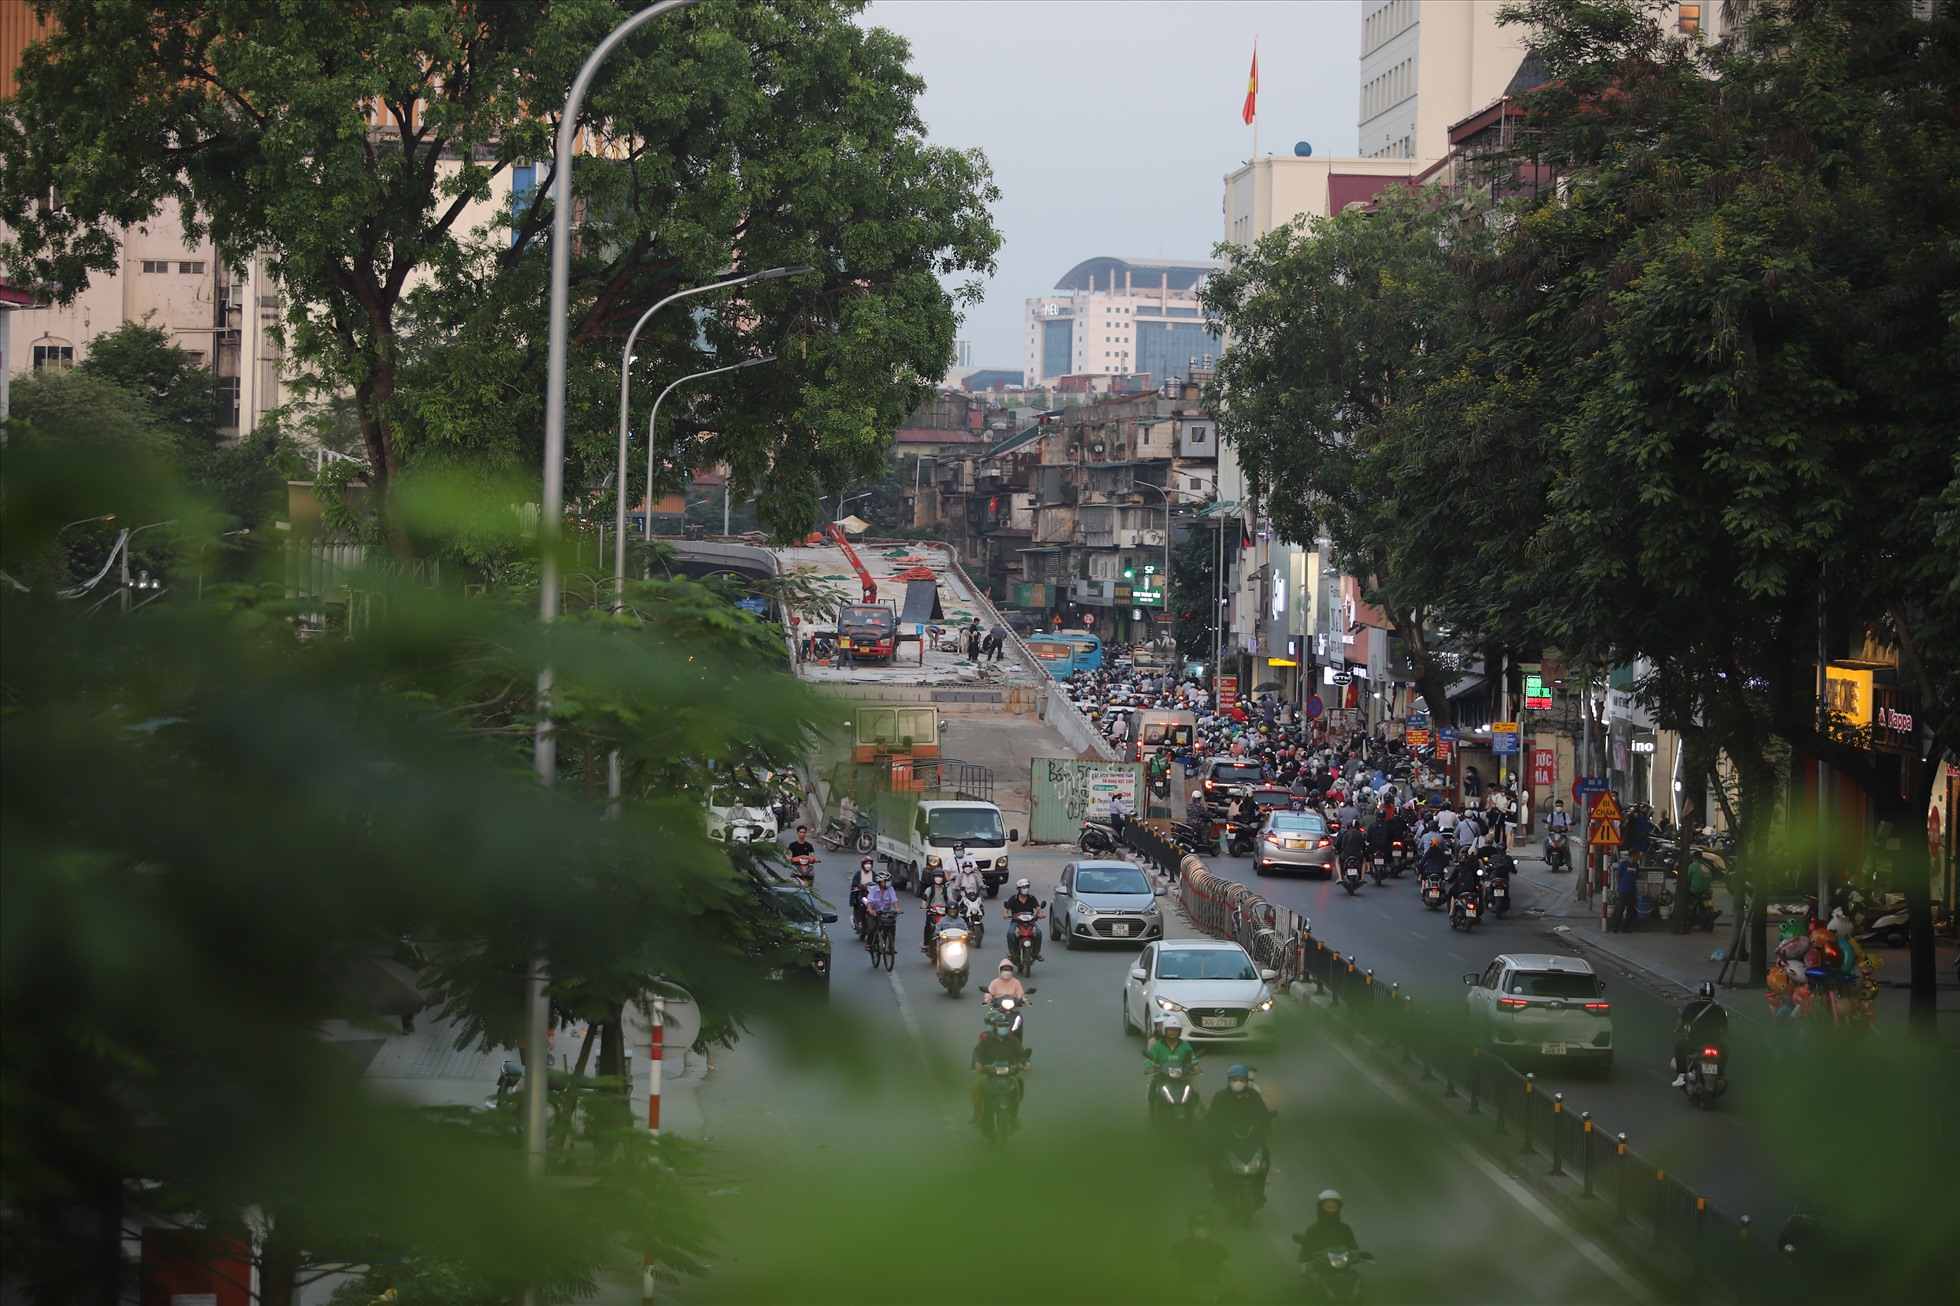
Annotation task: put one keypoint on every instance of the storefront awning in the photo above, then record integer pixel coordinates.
(1464, 687)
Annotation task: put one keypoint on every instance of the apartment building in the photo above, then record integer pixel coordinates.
(1119, 317)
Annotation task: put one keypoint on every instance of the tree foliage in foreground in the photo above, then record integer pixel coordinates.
(360, 148)
(213, 830)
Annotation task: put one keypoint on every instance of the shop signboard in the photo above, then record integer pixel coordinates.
(1228, 691)
(1543, 764)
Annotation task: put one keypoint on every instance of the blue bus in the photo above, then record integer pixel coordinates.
(1066, 652)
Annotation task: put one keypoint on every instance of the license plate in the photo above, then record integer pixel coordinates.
(1711, 1067)
(1120, 929)
(1552, 1049)
(1294, 844)
(1217, 1022)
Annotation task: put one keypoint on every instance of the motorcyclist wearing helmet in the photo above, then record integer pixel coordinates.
(964, 865)
(1463, 876)
(1006, 983)
(1200, 1268)
(1328, 1231)
(965, 875)
(1023, 899)
(998, 1042)
(1165, 1050)
(1703, 1021)
(1237, 1110)
(936, 894)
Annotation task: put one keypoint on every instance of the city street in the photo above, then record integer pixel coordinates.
(860, 1139)
(1719, 1153)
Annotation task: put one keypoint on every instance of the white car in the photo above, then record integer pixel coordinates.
(1528, 1005)
(1211, 984)
(733, 821)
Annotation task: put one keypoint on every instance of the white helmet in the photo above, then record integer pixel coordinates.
(1328, 1195)
(1172, 1023)
(1021, 883)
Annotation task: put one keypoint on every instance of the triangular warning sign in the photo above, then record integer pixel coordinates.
(1606, 808)
(1605, 833)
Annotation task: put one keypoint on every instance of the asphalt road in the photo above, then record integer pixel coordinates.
(843, 1167)
(1719, 1153)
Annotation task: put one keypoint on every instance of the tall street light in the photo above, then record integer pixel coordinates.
(646, 532)
(544, 745)
(625, 385)
(1166, 593)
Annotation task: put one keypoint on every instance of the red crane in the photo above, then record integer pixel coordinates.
(864, 577)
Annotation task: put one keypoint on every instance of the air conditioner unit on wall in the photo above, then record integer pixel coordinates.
(1129, 539)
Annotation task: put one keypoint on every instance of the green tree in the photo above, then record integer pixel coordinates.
(1194, 593)
(1736, 322)
(358, 149)
(181, 391)
(213, 829)
(1338, 326)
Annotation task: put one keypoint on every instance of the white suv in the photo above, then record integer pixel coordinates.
(1538, 1004)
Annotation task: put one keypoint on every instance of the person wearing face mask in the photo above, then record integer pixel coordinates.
(1237, 1111)
(1201, 1270)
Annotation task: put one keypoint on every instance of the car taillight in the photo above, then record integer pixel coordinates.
(1512, 1004)
(1601, 1007)
(1324, 843)
(1273, 839)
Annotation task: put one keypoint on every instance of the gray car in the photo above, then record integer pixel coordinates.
(1105, 902)
(1293, 841)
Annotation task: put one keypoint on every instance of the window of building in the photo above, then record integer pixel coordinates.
(191, 268)
(1690, 19)
(156, 265)
(55, 357)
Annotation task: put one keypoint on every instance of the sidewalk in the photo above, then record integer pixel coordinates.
(1677, 963)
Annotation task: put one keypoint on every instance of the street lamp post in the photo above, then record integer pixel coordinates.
(551, 505)
(654, 417)
(625, 387)
(1165, 597)
(126, 540)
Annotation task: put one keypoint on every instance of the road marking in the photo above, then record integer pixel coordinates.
(1516, 1191)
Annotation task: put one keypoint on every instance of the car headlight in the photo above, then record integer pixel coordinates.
(1000, 863)
(1267, 1005)
(1165, 1004)
(1082, 910)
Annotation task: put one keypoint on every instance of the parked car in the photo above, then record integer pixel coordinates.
(1210, 983)
(1293, 841)
(1105, 901)
(807, 914)
(1540, 1005)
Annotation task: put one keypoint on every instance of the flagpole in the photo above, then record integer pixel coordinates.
(1255, 103)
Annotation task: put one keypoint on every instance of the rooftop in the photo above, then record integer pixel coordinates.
(1104, 270)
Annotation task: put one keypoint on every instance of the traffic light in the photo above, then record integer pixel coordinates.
(1129, 573)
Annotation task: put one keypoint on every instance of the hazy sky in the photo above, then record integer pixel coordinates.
(1111, 126)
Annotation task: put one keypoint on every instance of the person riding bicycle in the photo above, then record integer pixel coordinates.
(879, 900)
(1023, 900)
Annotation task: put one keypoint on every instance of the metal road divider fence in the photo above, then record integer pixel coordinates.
(1650, 1215)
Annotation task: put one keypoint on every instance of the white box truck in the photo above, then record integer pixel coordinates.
(935, 826)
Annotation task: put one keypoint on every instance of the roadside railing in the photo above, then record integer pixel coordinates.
(1702, 1252)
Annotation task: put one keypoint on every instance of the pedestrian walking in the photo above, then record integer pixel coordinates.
(1626, 887)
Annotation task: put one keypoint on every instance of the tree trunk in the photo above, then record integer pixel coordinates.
(280, 1257)
(371, 399)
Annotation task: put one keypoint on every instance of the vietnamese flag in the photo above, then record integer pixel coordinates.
(1252, 88)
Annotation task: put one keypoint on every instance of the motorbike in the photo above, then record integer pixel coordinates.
(1558, 850)
(1350, 874)
(804, 868)
(1497, 890)
(510, 1081)
(854, 834)
(1011, 1007)
(1097, 838)
(972, 906)
(1173, 1096)
(1000, 1101)
(1707, 1074)
(1023, 934)
(1464, 912)
(786, 807)
(859, 921)
(1244, 1165)
(1335, 1275)
(1378, 867)
(952, 956)
(1240, 838)
(1432, 890)
(1191, 837)
(1400, 854)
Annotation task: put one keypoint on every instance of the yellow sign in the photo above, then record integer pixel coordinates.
(1848, 693)
(1605, 833)
(1606, 808)
(1415, 738)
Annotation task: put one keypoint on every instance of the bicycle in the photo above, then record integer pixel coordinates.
(883, 941)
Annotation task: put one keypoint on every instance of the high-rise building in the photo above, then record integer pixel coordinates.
(1426, 64)
(1120, 317)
